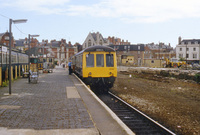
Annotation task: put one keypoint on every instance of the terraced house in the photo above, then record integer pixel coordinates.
(60, 50)
(189, 49)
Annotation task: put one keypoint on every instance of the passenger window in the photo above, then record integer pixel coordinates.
(109, 60)
(100, 60)
(90, 60)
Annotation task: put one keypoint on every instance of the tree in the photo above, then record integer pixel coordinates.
(181, 59)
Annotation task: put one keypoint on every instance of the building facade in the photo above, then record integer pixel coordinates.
(156, 54)
(4, 39)
(117, 41)
(188, 49)
(97, 39)
(94, 39)
(60, 50)
(129, 54)
(20, 44)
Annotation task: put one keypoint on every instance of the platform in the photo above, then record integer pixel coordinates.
(58, 104)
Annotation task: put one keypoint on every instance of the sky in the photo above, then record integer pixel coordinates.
(138, 21)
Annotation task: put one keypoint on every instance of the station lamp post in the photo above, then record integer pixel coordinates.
(10, 48)
(29, 53)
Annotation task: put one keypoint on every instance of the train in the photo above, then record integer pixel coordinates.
(17, 60)
(96, 66)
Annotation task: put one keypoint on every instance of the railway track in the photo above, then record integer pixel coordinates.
(137, 121)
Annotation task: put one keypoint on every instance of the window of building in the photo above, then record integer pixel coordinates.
(187, 55)
(101, 42)
(192, 42)
(180, 55)
(194, 49)
(124, 47)
(100, 60)
(194, 56)
(180, 49)
(89, 43)
(50, 60)
(124, 57)
(90, 60)
(109, 60)
(187, 49)
(129, 48)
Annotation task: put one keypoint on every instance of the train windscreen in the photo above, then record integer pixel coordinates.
(34, 60)
(90, 60)
(100, 60)
(109, 60)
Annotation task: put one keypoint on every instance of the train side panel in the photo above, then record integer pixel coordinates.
(77, 64)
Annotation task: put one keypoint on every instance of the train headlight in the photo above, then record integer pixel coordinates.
(111, 73)
(89, 74)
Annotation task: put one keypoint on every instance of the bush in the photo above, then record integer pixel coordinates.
(197, 76)
(5, 84)
(164, 73)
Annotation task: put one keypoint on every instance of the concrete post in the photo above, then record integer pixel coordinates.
(1, 76)
(19, 70)
(15, 72)
(11, 73)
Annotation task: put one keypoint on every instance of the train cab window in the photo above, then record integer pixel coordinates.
(33, 60)
(100, 60)
(90, 60)
(109, 60)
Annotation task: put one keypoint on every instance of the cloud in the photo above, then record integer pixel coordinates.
(130, 11)
(146, 11)
(41, 6)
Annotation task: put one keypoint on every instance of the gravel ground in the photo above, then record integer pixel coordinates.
(172, 102)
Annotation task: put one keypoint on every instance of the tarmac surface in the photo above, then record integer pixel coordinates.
(58, 104)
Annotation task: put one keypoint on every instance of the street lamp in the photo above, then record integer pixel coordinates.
(10, 38)
(186, 55)
(29, 52)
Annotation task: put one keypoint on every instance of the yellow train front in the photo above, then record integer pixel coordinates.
(96, 65)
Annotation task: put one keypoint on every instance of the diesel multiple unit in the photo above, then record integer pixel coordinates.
(96, 65)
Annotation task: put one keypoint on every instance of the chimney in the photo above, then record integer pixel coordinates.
(179, 40)
(69, 44)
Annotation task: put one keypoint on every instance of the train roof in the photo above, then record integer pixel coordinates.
(97, 48)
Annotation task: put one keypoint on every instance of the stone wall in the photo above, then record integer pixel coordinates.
(165, 72)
